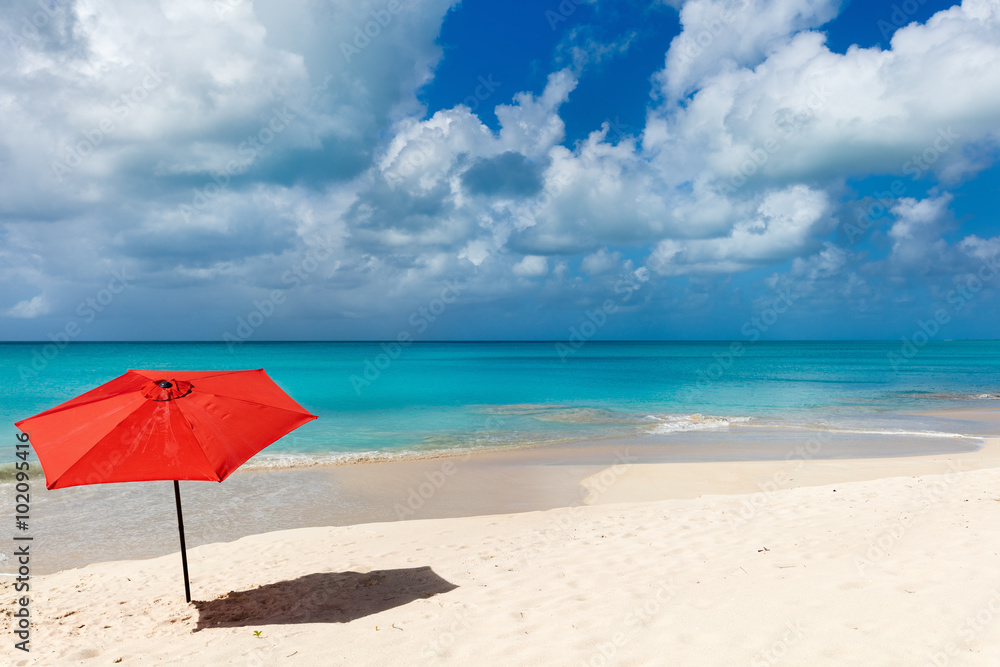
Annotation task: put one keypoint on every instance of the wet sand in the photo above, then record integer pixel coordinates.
(83, 525)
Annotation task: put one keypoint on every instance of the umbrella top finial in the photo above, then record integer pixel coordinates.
(166, 390)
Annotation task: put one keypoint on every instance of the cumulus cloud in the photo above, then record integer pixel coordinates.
(30, 308)
(916, 234)
(784, 226)
(805, 112)
(172, 138)
(724, 34)
(531, 266)
(210, 152)
(601, 262)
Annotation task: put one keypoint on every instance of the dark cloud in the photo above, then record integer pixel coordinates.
(383, 208)
(240, 238)
(508, 174)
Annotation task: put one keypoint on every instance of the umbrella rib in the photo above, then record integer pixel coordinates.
(64, 407)
(200, 377)
(264, 405)
(215, 375)
(200, 446)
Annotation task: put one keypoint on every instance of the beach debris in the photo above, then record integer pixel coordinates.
(764, 549)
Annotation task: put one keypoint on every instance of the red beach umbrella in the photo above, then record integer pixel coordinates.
(162, 425)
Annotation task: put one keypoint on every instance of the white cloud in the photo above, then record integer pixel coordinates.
(30, 308)
(805, 112)
(828, 262)
(531, 126)
(722, 34)
(981, 249)
(531, 266)
(601, 262)
(113, 134)
(916, 234)
(182, 91)
(785, 225)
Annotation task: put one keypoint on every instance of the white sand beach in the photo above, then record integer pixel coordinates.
(847, 562)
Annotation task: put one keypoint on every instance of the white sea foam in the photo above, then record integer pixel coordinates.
(694, 422)
(269, 461)
(830, 428)
(679, 423)
(890, 431)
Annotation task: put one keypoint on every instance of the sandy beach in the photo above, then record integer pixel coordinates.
(888, 561)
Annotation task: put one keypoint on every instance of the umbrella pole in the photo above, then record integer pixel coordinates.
(180, 528)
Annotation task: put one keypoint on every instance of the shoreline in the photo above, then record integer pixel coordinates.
(258, 501)
(300, 460)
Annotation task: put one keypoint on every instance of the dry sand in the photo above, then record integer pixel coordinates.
(847, 562)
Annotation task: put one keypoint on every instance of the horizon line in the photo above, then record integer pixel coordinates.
(518, 340)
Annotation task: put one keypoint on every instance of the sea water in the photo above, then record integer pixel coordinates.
(386, 400)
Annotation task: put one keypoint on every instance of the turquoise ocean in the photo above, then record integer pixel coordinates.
(655, 401)
(383, 401)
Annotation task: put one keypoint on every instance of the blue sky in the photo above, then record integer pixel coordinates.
(708, 169)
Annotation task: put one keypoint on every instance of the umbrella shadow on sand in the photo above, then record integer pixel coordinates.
(323, 597)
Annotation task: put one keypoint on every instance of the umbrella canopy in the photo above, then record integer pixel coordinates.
(162, 425)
